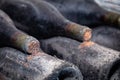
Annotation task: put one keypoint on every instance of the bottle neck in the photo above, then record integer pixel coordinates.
(111, 18)
(79, 32)
(25, 42)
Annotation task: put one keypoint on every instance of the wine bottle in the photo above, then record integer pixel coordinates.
(13, 37)
(35, 67)
(44, 20)
(95, 61)
(85, 12)
(89, 12)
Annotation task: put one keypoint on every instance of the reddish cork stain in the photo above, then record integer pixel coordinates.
(87, 35)
(86, 44)
(33, 47)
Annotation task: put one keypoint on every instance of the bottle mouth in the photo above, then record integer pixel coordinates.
(32, 45)
(87, 35)
(68, 73)
(116, 75)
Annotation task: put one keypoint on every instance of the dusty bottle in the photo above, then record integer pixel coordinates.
(113, 6)
(43, 19)
(111, 18)
(11, 36)
(35, 67)
(95, 62)
(85, 12)
(107, 36)
(88, 12)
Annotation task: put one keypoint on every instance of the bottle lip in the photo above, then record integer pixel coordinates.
(31, 45)
(87, 35)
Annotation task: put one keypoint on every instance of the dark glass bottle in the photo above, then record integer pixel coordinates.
(11, 36)
(44, 20)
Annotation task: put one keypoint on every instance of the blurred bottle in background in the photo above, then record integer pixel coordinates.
(110, 5)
